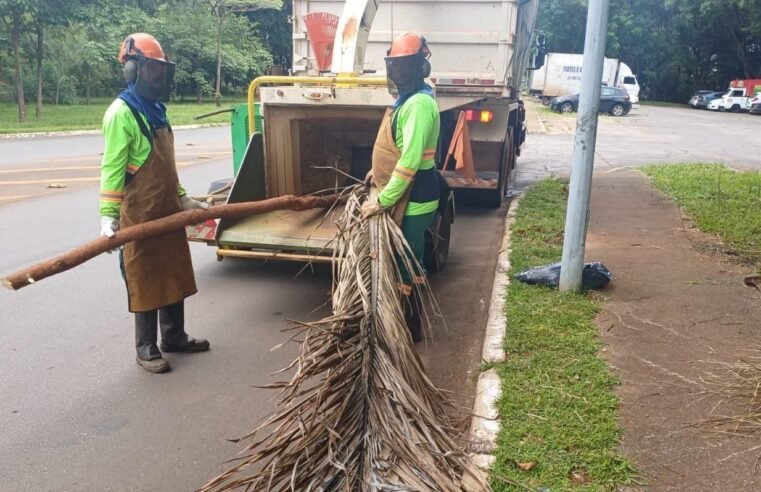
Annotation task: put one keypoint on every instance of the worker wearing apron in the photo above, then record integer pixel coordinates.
(404, 155)
(139, 183)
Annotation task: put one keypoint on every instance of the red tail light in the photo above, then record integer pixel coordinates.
(484, 116)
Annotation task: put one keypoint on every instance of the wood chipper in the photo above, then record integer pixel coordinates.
(318, 126)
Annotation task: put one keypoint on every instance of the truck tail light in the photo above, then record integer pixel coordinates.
(484, 116)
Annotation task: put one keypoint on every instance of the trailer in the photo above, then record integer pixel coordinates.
(317, 126)
(560, 76)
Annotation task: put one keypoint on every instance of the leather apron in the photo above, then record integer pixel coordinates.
(158, 271)
(386, 156)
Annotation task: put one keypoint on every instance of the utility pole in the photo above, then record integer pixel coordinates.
(577, 216)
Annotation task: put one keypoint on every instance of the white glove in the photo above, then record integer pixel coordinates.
(108, 226)
(370, 208)
(188, 203)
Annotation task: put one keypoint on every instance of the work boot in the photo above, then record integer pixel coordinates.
(412, 315)
(173, 336)
(148, 354)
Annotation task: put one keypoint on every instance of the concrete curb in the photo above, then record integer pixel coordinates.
(74, 133)
(485, 425)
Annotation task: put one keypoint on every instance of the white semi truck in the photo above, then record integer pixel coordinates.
(561, 76)
(327, 112)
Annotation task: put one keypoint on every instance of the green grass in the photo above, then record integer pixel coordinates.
(88, 117)
(720, 200)
(665, 104)
(558, 407)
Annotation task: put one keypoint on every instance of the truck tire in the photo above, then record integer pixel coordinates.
(437, 241)
(735, 108)
(495, 198)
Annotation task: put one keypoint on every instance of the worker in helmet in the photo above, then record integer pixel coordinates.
(404, 155)
(139, 183)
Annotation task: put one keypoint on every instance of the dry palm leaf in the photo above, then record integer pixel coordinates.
(359, 413)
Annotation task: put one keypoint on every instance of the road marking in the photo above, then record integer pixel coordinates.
(65, 180)
(201, 153)
(13, 197)
(48, 169)
(48, 181)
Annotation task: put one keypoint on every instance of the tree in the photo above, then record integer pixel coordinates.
(222, 10)
(15, 15)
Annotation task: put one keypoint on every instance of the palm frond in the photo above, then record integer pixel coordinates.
(359, 413)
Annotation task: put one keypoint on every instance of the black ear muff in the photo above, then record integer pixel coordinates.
(130, 70)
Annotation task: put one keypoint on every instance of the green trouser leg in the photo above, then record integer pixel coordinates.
(413, 228)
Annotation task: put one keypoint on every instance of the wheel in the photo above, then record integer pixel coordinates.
(617, 110)
(546, 101)
(437, 242)
(735, 108)
(566, 107)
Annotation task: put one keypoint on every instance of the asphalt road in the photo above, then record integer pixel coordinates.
(77, 413)
(647, 135)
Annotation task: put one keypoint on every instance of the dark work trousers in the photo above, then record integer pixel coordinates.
(170, 318)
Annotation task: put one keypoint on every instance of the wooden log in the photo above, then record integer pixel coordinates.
(157, 227)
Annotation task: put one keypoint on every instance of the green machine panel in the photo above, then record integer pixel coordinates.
(239, 132)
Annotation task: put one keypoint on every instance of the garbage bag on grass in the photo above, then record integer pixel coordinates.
(594, 276)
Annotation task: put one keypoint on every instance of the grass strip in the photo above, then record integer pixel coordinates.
(720, 200)
(558, 407)
(89, 117)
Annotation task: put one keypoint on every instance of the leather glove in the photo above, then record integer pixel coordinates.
(108, 226)
(187, 203)
(370, 208)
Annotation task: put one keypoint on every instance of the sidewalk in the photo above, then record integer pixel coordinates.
(676, 313)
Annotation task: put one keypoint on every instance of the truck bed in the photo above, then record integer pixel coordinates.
(307, 232)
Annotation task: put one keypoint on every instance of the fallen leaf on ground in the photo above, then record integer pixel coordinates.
(579, 477)
(526, 466)
(56, 185)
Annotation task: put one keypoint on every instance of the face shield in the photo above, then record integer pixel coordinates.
(155, 79)
(405, 74)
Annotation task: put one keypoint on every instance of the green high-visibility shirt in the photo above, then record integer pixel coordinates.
(417, 134)
(126, 150)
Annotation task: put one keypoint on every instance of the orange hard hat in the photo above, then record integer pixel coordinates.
(407, 44)
(142, 44)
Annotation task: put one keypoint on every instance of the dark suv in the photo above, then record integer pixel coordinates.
(613, 100)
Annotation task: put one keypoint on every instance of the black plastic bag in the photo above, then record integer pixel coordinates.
(594, 276)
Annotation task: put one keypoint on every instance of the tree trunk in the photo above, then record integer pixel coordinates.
(15, 41)
(40, 55)
(87, 86)
(157, 227)
(218, 93)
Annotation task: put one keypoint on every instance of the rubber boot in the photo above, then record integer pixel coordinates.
(173, 336)
(148, 354)
(412, 315)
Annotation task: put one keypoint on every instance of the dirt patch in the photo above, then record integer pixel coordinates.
(676, 312)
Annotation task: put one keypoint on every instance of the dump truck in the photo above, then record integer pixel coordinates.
(314, 129)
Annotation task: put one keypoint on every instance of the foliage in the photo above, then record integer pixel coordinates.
(674, 46)
(69, 117)
(722, 201)
(558, 408)
(82, 38)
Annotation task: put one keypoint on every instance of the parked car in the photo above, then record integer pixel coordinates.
(701, 99)
(716, 105)
(613, 100)
(755, 104)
